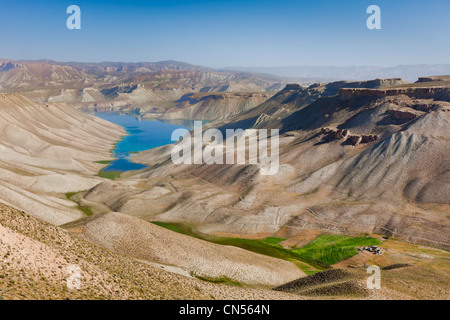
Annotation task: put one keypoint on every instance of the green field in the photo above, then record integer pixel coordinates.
(273, 240)
(104, 162)
(331, 249)
(268, 246)
(318, 255)
(112, 175)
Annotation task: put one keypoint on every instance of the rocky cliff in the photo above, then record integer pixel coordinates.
(438, 93)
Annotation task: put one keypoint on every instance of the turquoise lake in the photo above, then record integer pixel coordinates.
(142, 135)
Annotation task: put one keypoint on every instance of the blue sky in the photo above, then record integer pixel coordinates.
(229, 33)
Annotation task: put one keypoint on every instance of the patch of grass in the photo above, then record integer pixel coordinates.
(273, 240)
(178, 227)
(268, 246)
(309, 272)
(83, 208)
(112, 175)
(331, 249)
(317, 255)
(222, 280)
(69, 195)
(306, 268)
(104, 161)
(86, 210)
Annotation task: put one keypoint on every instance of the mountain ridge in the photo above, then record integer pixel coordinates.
(351, 73)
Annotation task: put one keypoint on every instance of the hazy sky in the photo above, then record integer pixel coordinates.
(229, 33)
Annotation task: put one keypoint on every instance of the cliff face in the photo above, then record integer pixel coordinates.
(295, 97)
(433, 78)
(372, 84)
(438, 93)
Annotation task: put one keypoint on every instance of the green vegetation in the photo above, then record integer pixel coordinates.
(112, 175)
(273, 240)
(178, 227)
(86, 210)
(222, 280)
(69, 195)
(104, 162)
(331, 249)
(83, 208)
(318, 255)
(268, 246)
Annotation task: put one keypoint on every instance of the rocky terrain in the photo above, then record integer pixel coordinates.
(36, 257)
(392, 182)
(398, 281)
(50, 150)
(295, 97)
(131, 236)
(138, 88)
(356, 158)
(209, 106)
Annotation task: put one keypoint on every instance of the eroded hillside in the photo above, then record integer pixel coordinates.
(49, 149)
(36, 257)
(362, 161)
(146, 89)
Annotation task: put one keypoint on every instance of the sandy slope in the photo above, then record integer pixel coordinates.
(47, 149)
(134, 237)
(36, 257)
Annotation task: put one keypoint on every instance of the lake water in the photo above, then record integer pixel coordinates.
(142, 135)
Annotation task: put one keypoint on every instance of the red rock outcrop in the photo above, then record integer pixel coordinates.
(402, 115)
(355, 140)
(369, 138)
(345, 134)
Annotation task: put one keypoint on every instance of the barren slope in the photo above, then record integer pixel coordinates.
(48, 149)
(36, 257)
(136, 238)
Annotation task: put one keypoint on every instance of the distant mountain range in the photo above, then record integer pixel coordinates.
(407, 72)
(44, 74)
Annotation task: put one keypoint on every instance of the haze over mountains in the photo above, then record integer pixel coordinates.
(43, 73)
(407, 72)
